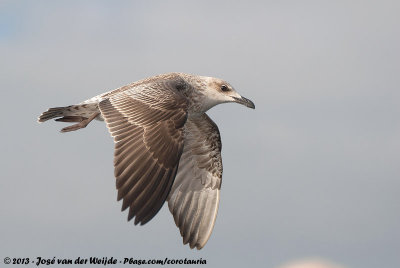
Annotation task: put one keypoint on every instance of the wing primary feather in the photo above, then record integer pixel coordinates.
(145, 188)
(130, 183)
(152, 202)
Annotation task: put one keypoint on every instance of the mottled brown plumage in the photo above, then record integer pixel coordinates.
(166, 147)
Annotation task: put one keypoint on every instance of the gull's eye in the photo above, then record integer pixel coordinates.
(224, 88)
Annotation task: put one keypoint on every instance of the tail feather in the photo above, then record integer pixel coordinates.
(52, 113)
(82, 114)
(71, 119)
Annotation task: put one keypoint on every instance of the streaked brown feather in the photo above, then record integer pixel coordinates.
(148, 132)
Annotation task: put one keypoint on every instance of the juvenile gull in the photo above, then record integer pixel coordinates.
(166, 146)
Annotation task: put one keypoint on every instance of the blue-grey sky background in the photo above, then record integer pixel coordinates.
(314, 171)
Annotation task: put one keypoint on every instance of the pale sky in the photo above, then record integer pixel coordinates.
(312, 172)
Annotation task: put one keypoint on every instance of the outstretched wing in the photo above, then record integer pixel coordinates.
(147, 123)
(194, 196)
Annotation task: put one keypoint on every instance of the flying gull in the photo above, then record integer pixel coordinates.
(166, 146)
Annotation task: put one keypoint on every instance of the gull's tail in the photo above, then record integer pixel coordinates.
(53, 113)
(81, 113)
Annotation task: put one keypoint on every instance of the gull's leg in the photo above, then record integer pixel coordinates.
(82, 124)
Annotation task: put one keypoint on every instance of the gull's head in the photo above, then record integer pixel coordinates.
(218, 91)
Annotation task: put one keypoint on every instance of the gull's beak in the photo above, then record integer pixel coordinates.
(245, 102)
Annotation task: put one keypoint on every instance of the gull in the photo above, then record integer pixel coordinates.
(166, 147)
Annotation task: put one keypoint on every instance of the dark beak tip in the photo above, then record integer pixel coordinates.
(251, 105)
(246, 102)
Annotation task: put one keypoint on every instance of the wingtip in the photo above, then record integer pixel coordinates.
(196, 246)
(137, 221)
(193, 244)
